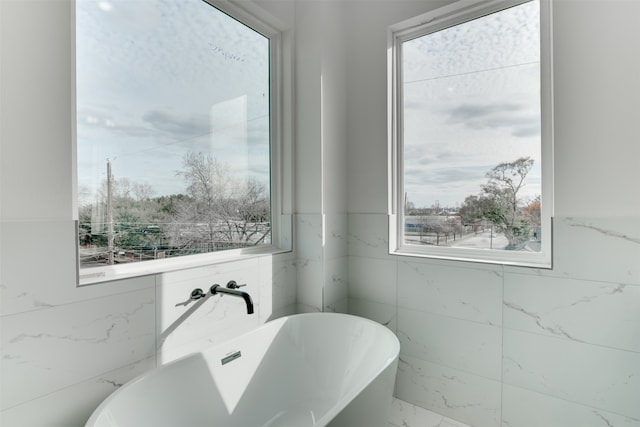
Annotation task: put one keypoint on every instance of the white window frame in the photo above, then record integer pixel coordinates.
(281, 149)
(457, 13)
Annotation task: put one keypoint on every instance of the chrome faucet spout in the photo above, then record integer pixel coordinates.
(217, 289)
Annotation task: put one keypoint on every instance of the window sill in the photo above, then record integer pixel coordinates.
(483, 256)
(91, 276)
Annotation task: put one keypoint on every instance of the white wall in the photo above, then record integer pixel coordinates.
(493, 346)
(64, 348)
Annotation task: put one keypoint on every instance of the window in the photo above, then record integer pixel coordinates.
(176, 108)
(470, 133)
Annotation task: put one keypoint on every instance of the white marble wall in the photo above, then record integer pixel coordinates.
(64, 349)
(309, 234)
(184, 327)
(321, 261)
(336, 293)
(517, 347)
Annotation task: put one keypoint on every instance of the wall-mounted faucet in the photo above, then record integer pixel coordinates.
(231, 289)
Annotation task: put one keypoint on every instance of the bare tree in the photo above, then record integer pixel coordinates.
(219, 211)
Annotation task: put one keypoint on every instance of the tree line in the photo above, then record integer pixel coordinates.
(499, 204)
(216, 211)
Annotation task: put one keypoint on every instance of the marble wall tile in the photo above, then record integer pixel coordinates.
(310, 279)
(384, 314)
(278, 283)
(266, 288)
(310, 262)
(304, 308)
(287, 310)
(338, 306)
(583, 311)
(525, 408)
(460, 344)
(224, 332)
(73, 405)
(368, 235)
(467, 293)
(604, 249)
(216, 317)
(47, 350)
(335, 236)
(599, 249)
(465, 397)
(336, 290)
(309, 236)
(591, 375)
(373, 279)
(25, 288)
(335, 285)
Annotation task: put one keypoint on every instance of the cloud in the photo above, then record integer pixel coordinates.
(518, 118)
(93, 118)
(178, 125)
(494, 41)
(420, 175)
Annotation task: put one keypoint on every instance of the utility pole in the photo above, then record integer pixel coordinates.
(491, 237)
(110, 250)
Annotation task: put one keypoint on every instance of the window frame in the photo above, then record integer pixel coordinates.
(430, 22)
(281, 137)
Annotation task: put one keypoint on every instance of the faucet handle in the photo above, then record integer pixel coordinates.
(232, 284)
(197, 293)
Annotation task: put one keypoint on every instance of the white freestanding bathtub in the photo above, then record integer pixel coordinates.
(318, 369)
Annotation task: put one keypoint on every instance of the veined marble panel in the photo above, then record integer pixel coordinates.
(73, 405)
(309, 236)
(225, 330)
(368, 235)
(278, 282)
(373, 279)
(310, 282)
(338, 306)
(525, 408)
(384, 314)
(47, 350)
(598, 249)
(181, 321)
(466, 293)
(582, 311)
(26, 287)
(335, 236)
(336, 286)
(459, 344)
(459, 395)
(595, 376)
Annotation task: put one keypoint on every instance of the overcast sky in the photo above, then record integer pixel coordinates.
(156, 79)
(472, 101)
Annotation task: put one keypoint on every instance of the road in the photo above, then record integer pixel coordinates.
(483, 240)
